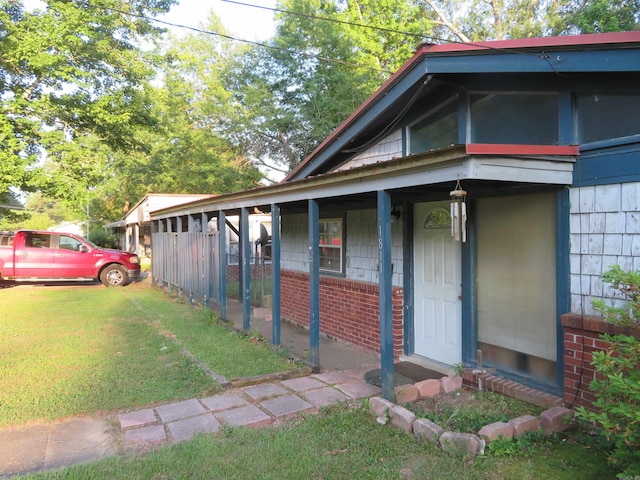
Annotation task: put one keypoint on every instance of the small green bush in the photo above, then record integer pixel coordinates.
(617, 383)
(104, 238)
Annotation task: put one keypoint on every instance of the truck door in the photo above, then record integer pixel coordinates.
(33, 259)
(69, 259)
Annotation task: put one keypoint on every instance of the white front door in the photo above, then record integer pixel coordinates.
(437, 311)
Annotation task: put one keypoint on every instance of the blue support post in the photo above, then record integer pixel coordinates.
(385, 281)
(314, 283)
(275, 274)
(222, 258)
(246, 269)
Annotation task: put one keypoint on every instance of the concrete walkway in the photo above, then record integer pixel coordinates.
(43, 446)
(252, 406)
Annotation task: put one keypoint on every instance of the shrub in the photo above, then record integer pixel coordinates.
(104, 238)
(617, 382)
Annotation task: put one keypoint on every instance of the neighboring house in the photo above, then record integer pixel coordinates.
(134, 230)
(78, 227)
(544, 137)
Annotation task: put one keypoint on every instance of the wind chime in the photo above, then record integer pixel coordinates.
(458, 213)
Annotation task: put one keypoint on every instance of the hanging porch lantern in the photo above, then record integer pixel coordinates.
(458, 213)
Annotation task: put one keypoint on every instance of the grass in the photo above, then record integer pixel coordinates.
(343, 442)
(72, 350)
(85, 349)
(467, 411)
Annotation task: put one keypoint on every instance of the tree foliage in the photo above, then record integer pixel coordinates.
(71, 90)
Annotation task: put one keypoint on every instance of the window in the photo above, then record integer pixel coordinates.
(604, 117)
(69, 243)
(331, 245)
(38, 240)
(437, 218)
(437, 129)
(514, 118)
(516, 283)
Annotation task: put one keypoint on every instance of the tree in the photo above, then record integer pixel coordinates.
(325, 60)
(186, 151)
(71, 91)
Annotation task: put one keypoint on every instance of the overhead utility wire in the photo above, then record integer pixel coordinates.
(425, 38)
(229, 37)
(328, 19)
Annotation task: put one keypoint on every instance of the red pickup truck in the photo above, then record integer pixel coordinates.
(47, 256)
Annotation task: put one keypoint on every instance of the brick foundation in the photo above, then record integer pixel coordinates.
(349, 310)
(581, 339)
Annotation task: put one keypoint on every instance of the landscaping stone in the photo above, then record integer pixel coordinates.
(282, 407)
(188, 427)
(303, 384)
(224, 402)
(265, 391)
(556, 419)
(496, 430)
(467, 444)
(426, 429)
(358, 389)
(525, 423)
(451, 384)
(175, 411)
(153, 434)
(402, 418)
(249, 416)
(138, 418)
(406, 393)
(428, 388)
(379, 406)
(321, 397)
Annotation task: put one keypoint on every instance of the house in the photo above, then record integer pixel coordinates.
(134, 230)
(463, 209)
(77, 227)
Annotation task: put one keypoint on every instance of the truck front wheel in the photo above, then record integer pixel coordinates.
(113, 276)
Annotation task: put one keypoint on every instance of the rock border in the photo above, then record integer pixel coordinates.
(555, 419)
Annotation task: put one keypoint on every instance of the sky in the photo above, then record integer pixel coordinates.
(245, 22)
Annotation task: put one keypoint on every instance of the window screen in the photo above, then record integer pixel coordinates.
(604, 117)
(514, 118)
(438, 129)
(516, 283)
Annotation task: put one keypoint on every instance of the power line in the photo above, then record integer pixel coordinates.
(235, 39)
(329, 19)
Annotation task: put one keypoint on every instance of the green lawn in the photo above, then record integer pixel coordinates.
(65, 351)
(86, 349)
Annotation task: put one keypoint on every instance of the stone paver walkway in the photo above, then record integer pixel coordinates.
(251, 406)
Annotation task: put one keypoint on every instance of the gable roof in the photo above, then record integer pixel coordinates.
(551, 55)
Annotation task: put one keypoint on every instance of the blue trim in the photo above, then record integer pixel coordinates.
(563, 275)
(395, 92)
(314, 283)
(245, 261)
(463, 117)
(469, 301)
(385, 295)
(566, 123)
(613, 164)
(222, 257)
(605, 60)
(408, 279)
(275, 274)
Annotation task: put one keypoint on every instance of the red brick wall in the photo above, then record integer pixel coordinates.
(581, 339)
(349, 310)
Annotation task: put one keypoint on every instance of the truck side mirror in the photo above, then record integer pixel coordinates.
(84, 249)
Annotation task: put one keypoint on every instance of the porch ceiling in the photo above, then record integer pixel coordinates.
(432, 174)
